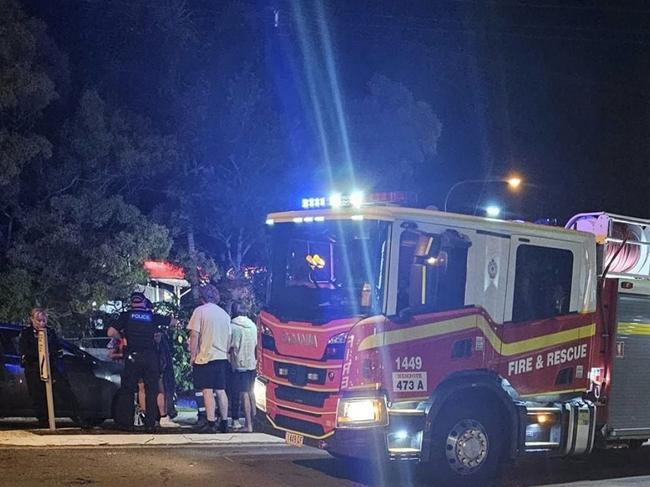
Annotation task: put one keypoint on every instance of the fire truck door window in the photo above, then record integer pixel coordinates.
(432, 271)
(543, 277)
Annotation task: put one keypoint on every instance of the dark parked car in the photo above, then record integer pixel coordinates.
(93, 381)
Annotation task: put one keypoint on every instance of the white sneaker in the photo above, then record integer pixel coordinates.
(138, 420)
(166, 422)
(236, 425)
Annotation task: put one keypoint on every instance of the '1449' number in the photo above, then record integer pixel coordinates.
(408, 363)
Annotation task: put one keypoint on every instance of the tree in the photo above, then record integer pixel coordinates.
(80, 240)
(29, 63)
(250, 181)
(78, 250)
(230, 175)
(394, 136)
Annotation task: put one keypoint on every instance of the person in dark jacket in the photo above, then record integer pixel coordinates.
(28, 345)
(167, 384)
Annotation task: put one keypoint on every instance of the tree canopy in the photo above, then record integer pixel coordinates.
(140, 130)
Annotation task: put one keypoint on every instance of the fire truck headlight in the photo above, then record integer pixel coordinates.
(362, 412)
(259, 391)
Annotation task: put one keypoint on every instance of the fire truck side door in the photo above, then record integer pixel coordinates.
(550, 266)
(544, 345)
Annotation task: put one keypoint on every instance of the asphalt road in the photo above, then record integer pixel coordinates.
(280, 466)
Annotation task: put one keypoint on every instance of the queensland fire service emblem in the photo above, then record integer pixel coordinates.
(492, 268)
(304, 339)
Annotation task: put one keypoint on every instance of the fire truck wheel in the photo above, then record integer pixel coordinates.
(466, 444)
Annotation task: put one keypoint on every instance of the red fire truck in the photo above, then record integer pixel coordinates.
(412, 334)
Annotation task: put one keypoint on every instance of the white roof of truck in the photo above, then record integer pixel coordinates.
(418, 215)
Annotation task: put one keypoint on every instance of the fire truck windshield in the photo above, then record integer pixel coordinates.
(326, 270)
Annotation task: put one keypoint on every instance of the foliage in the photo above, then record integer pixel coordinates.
(170, 146)
(79, 208)
(26, 90)
(178, 338)
(390, 129)
(238, 291)
(109, 242)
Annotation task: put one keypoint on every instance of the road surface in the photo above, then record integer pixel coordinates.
(279, 466)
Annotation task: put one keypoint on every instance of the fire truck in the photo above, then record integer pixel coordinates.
(463, 342)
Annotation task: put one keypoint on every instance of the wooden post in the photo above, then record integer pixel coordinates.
(46, 376)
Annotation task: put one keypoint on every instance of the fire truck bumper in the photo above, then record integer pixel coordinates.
(401, 440)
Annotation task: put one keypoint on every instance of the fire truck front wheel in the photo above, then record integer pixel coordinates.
(466, 444)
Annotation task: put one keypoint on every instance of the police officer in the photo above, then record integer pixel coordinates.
(137, 327)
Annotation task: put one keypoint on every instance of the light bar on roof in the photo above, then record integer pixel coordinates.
(313, 203)
(336, 200)
(356, 199)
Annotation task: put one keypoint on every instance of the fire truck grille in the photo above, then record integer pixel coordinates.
(300, 375)
(301, 396)
(299, 425)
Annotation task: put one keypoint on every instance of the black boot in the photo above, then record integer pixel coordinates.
(207, 427)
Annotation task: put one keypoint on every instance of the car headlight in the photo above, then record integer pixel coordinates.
(361, 412)
(259, 391)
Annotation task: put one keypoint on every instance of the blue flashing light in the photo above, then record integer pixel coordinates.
(308, 203)
(355, 199)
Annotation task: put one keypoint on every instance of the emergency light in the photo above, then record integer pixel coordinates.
(313, 203)
(355, 199)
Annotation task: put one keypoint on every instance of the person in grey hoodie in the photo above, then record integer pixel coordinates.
(243, 361)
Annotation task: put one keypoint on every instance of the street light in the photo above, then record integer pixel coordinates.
(514, 182)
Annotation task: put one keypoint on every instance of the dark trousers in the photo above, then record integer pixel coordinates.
(138, 365)
(64, 398)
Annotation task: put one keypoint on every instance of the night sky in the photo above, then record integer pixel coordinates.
(555, 90)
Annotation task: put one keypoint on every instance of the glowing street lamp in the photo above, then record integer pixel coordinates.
(513, 182)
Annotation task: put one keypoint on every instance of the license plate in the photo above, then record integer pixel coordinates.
(294, 439)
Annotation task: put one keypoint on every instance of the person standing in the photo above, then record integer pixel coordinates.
(137, 327)
(242, 358)
(209, 329)
(28, 345)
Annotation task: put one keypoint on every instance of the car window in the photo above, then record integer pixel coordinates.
(9, 342)
(70, 349)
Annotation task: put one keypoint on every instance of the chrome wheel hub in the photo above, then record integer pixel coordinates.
(466, 446)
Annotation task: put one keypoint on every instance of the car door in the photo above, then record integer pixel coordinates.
(91, 393)
(14, 395)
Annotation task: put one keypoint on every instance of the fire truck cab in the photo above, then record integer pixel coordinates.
(411, 334)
